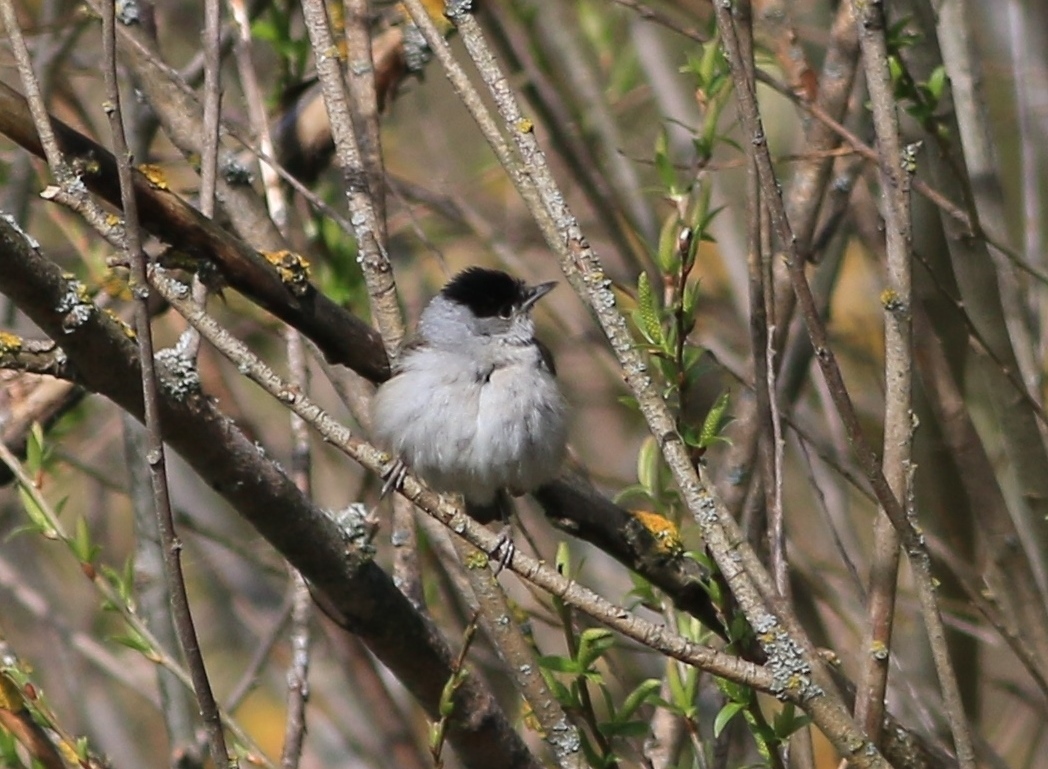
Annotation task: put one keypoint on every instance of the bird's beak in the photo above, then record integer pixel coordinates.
(537, 292)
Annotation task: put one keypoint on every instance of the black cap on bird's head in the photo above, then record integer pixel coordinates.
(493, 293)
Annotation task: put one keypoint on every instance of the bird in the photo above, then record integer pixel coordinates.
(473, 405)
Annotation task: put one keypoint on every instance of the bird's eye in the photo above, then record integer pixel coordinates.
(506, 311)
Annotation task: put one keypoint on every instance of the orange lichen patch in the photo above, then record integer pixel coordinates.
(129, 332)
(435, 9)
(891, 301)
(154, 175)
(10, 343)
(662, 529)
(115, 286)
(292, 268)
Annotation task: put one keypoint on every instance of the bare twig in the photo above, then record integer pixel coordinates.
(210, 144)
(298, 672)
(363, 106)
(71, 191)
(373, 259)
(521, 659)
(170, 543)
(898, 419)
(153, 594)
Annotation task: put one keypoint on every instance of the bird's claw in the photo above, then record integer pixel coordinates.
(394, 477)
(504, 549)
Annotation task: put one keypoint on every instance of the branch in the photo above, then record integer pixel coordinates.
(343, 337)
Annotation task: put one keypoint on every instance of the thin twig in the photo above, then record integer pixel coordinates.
(937, 198)
(153, 594)
(898, 369)
(210, 143)
(71, 191)
(552, 110)
(520, 658)
(363, 105)
(554, 39)
(373, 259)
(298, 671)
(170, 543)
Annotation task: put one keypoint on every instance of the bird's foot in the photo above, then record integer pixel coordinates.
(504, 549)
(394, 477)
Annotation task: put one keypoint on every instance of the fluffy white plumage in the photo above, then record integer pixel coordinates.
(474, 406)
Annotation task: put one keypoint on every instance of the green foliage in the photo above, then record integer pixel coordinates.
(337, 274)
(276, 27)
(788, 721)
(122, 582)
(620, 719)
(664, 317)
(83, 548)
(38, 458)
(9, 756)
(570, 678)
(713, 86)
(921, 99)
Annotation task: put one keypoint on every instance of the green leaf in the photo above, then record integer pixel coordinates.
(560, 692)
(787, 721)
(81, 749)
(723, 718)
(593, 758)
(34, 450)
(641, 693)
(895, 69)
(446, 707)
(122, 581)
(593, 643)
(711, 427)
(134, 641)
(559, 664)
(81, 542)
(678, 693)
(663, 165)
(666, 255)
(632, 729)
(649, 460)
(648, 311)
(37, 516)
(562, 562)
(937, 83)
(436, 735)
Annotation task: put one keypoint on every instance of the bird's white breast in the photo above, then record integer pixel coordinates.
(474, 424)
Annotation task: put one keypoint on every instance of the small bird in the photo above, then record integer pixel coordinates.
(473, 406)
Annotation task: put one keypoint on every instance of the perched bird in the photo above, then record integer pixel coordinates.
(473, 406)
